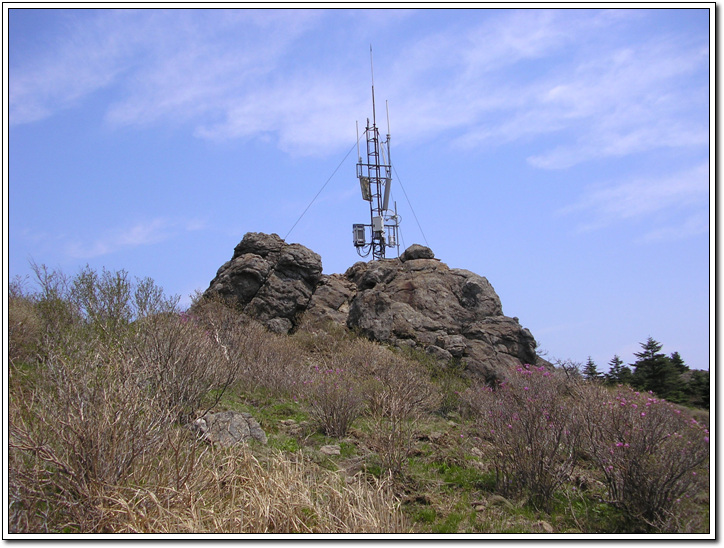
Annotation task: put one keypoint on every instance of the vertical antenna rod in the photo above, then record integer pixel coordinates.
(372, 73)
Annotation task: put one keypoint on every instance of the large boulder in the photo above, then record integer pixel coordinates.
(449, 313)
(269, 279)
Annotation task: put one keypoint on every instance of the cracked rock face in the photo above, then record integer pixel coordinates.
(269, 279)
(449, 313)
(414, 301)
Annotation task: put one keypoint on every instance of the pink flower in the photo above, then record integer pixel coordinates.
(706, 439)
(525, 388)
(643, 414)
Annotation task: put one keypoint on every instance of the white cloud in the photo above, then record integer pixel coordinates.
(696, 224)
(629, 101)
(140, 234)
(646, 198)
(501, 76)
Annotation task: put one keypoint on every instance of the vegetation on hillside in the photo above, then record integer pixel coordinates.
(666, 376)
(105, 374)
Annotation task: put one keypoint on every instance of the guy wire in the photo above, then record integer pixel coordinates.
(408, 203)
(321, 189)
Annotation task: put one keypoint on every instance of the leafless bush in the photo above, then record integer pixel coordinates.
(117, 366)
(266, 360)
(180, 362)
(652, 454)
(398, 393)
(80, 428)
(334, 397)
(530, 418)
(24, 325)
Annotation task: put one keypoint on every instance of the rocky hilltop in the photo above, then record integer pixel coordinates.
(414, 300)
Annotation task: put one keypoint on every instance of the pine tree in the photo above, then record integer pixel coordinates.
(697, 389)
(654, 371)
(618, 372)
(590, 371)
(678, 363)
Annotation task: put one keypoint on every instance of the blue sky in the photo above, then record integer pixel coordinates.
(562, 154)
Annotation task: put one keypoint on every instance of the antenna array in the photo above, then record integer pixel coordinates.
(375, 178)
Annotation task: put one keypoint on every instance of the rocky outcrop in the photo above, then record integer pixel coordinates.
(269, 279)
(449, 313)
(414, 301)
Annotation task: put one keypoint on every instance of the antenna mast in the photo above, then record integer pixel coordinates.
(375, 178)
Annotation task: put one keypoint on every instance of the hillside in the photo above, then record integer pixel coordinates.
(112, 391)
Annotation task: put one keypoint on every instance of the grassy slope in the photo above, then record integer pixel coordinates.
(442, 482)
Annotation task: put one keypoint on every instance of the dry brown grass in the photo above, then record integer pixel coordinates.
(233, 491)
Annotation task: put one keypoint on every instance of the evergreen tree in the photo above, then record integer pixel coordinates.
(654, 371)
(590, 371)
(678, 363)
(697, 389)
(618, 372)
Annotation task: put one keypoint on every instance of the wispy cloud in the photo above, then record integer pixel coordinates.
(694, 225)
(633, 95)
(140, 234)
(685, 192)
(503, 76)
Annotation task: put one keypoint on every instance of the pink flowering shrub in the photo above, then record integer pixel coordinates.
(530, 420)
(652, 454)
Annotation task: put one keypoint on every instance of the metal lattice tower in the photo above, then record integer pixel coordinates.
(375, 178)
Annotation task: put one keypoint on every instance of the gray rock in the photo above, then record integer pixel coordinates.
(452, 313)
(270, 279)
(330, 302)
(417, 251)
(330, 450)
(440, 353)
(228, 428)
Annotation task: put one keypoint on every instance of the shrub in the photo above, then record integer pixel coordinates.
(117, 366)
(397, 393)
(179, 361)
(334, 397)
(652, 454)
(530, 419)
(79, 428)
(266, 360)
(24, 326)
